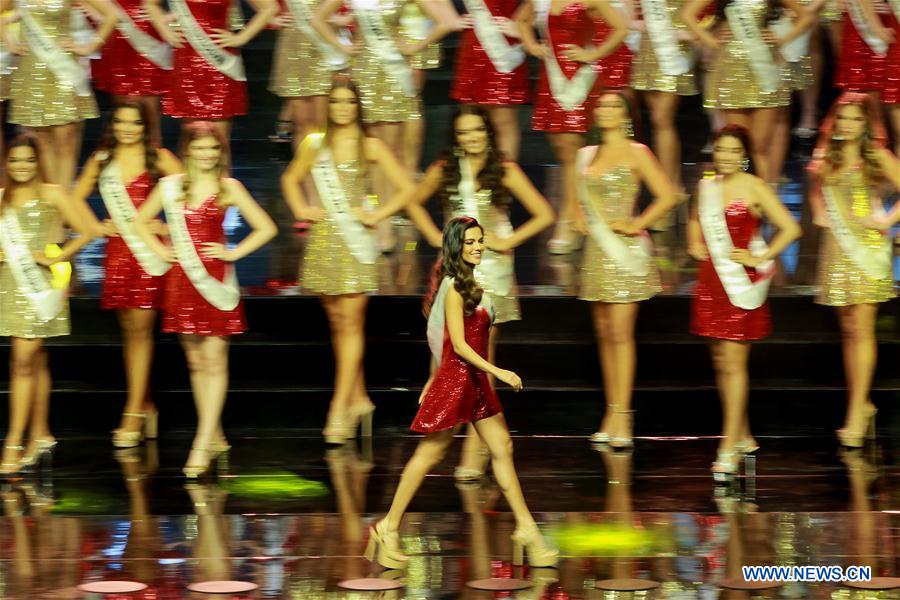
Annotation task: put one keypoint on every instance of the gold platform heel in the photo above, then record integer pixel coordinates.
(385, 548)
(539, 553)
(857, 439)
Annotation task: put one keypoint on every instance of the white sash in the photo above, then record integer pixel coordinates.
(505, 57)
(743, 26)
(382, 44)
(224, 295)
(302, 16)
(122, 212)
(46, 301)
(569, 93)
(154, 50)
(864, 29)
(895, 6)
(224, 61)
(742, 292)
(634, 260)
(66, 68)
(633, 38)
(796, 49)
(876, 264)
(359, 240)
(662, 37)
(437, 318)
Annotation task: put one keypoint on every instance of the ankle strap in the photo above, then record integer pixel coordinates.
(14, 447)
(624, 412)
(134, 414)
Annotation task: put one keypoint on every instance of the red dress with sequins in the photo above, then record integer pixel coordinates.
(890, 92)
(615, 69)
(199, 90)
(459, 392)
(475, 80)
(123, 71)
(184, 309)
(712, 313)
(574, 25)
(859, 69)
(125, 283)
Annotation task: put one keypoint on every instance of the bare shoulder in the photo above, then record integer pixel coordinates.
(375, 148)
(233, 188)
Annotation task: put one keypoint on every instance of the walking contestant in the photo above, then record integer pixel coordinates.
(31, 308)
(135, 64)
(473, 180)
(202, 300)
(745, 80)
(736, 267)
(50, 90)
(126, 166)
(618, 270)
(849, 171)
(340, 263)
(569, 82)
(459, 320)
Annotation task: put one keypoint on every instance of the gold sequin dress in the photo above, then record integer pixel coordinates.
(645, 72)
(383, 99)
(37, 98)
(732, 84)
(414, 27)
(496, 221)
(841, 281)
(329, 268)
(37, 219)
(614, 194)
(298, 69)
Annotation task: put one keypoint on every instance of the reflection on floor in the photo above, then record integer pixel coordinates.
(293, 521)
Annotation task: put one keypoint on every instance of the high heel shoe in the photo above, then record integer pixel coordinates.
(599, 437)
(41, 447)
(539, 553)
(149, 430)
(384, 548)
(9, 469)
(726, 466)
(195, 471)
(622, 442)
(857, 439)
(363, 416)
(747, 446)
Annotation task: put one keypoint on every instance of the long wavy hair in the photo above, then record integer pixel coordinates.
(343, 82)
(830, 147)
(741, 134)
(108, 143)
(25, 140)
(195, 131)
(596, 134)
(450, 263)
(491, 175)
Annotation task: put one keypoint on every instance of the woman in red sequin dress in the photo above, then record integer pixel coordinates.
(499, 88)
(127, 166)
(724, 236)
(201, 300)
(567, 88)
(135, 64)
(458, 332)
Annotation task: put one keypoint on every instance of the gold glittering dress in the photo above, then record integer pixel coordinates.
(645, 72)
(38, 99)
(37, 219)
(841, 281)
(613, 194)
(731, 83)
(383, 99)
(414, 27)
(298, 69)
(329, 268)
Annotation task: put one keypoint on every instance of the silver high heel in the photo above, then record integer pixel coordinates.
(149, 430)
(41, 447)
(725, 467)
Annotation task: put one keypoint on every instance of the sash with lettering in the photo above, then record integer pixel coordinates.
(46, 301)
(875, 263)
(224, 295)
(663, 39)
(743, 26)
(224, 61)
(797, 48)
(437, 318)
(742, 292)
(569, 93)
(504, 56)
(154, 50)
(359, 240)
(633, 260)
(122, 212)
(64, 66)
(861, 23)
(382, 44)
(302, 17)
(496, 273)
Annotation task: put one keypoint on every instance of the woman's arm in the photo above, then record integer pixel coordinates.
(294, 175)
(321, 22)
(524, 19)
(76, 214)
(427, 188)
(404, 188)
(696, 247)
(147, 213)
(660, 186)
(85, 185)
(803, 21)
(162, 22)
(445, 18)
(534, 202)
(108, 23)
(690, 15)
(264, 11)
(891, 168)
(773, 209)
(168, 163)
(615, 19)
(262, 226)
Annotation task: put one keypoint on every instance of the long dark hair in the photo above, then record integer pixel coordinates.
(741, 134)
(342, 82)
(829, 148)
(490, 177)
(451, 264)
(773, 10)
(25, 140)
(597, 133)
(196, 131)
(107, 144)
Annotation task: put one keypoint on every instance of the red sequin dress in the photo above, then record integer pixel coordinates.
(712, 313)
(574, 25)
(125, 283)
(859, 69)
(615, 69)
(184, 309)
(475, 80)
(890, 93)
(459, 392)
(199, 90)
(123, 71)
